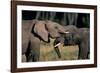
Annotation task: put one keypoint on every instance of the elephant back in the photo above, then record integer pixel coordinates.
(71, 28)
(84, 33)
(28, 24)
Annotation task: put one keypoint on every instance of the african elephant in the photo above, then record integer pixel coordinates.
(84, 47)
(35, 31)
(76, 36)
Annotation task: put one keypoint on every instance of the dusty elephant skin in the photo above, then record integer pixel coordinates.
(76, 36)
(34, 31)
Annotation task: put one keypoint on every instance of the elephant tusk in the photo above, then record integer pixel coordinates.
(57, 44)
(67, 32)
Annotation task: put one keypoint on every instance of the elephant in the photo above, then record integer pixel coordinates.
(76, 36)
(84, 47)
(35, 31)
(27, 39)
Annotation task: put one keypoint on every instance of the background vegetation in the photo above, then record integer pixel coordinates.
(63, 18)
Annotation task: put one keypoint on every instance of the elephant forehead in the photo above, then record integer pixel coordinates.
(53, 25)
(60, 28)
(50, 27)
(50, 24)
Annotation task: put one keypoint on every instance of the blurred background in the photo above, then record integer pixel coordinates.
(77, 19)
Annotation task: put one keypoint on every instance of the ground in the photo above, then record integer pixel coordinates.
(47, 52)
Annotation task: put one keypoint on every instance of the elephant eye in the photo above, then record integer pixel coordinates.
(56, 27)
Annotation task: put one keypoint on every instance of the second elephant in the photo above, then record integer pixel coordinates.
(77, 36)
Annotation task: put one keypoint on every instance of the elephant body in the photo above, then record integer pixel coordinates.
(25, 41)
(77, 36)
(84, 46)
(35, 31)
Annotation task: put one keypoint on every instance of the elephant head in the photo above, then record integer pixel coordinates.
(73, 37)
(46, 29)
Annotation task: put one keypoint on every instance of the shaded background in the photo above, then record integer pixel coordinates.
(77, 19)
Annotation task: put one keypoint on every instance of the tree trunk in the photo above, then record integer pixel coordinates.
(38, 15)
(52, 15)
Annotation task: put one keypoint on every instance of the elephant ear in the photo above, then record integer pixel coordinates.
(53, 32)
(41, 31)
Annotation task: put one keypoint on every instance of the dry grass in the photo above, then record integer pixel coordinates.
(67, 53)
(47, 52)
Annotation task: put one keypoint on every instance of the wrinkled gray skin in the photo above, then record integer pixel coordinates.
(28, 39)
(84, 46)
(35, 31)
(77, 36)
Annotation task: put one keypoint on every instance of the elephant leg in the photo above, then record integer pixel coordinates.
(35, 49)
(28, 54)
(33, 55)
(88, 55)
(26, 51)
(36, 55)
(28, 57)
(83, 51)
